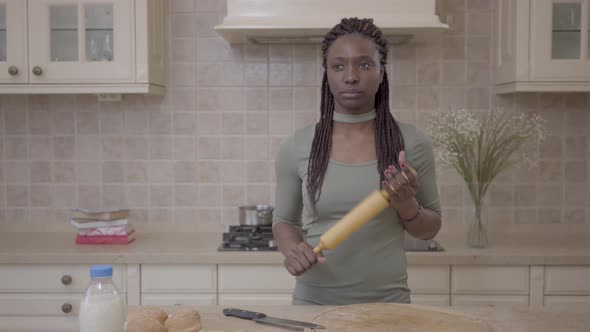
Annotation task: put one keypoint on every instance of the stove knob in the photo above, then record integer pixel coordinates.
(432, 246)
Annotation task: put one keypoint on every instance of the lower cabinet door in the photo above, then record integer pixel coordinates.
(566, 302)
(41, 323)
(258, 299)
(567, 280)
(433, 300)
(52, 278)
(255, 279)
(40, 304)
(178, 278)
(490, 300)
(429, 279)
(493, 280)
(178, 299)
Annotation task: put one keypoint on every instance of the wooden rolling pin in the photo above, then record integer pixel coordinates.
(368, 208)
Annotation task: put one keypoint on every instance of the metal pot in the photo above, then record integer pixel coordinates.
(256, 215)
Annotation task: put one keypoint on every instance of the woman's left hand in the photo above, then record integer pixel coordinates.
(401, 185)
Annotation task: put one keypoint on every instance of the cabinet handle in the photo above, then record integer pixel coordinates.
(37, 71)
(13, 70)
(66, 308)
(66, 280)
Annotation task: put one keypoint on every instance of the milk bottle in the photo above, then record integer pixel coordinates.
(102, 309)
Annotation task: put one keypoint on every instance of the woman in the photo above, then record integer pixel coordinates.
(324, 170)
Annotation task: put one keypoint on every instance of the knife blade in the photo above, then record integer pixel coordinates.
(260, 317)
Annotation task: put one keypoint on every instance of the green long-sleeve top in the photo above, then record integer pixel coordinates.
(369, 266)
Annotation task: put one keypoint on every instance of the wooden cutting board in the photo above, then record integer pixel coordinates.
(393, 317)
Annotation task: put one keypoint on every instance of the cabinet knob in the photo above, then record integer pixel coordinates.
(66, 280)
(13, 70)
(66, 308)
(37, 71)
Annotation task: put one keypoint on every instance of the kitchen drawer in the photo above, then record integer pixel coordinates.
(429, 279)
(47, 278)
(500, 280)
(433, 300)
(567, 280)
(564, 302)
(178, 278)
(259, 299)
(255, 279)
(178, 299)
(41, 323)
(507, 301)
(40, 304)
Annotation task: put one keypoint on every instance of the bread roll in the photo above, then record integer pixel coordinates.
(184, 320)
(137, 321)
(154, 312)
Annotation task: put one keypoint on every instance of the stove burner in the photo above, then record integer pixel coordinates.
(248, 238)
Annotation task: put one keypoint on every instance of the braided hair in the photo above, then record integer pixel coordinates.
(388, 138)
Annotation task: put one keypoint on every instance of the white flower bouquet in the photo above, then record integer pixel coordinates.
(481, 147)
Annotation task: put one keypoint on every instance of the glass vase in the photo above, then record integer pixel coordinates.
(476, 232)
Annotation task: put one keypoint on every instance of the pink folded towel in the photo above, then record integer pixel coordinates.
(104, 239)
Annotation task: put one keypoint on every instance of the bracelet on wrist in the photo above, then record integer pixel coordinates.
(414, 217)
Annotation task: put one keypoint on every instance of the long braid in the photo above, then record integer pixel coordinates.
(322, 142)
(388, 138)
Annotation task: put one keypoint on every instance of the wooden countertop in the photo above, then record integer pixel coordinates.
(201, 248)
(502, 319)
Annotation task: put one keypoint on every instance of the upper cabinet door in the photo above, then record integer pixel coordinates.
(560, 36)
(81, 41)
(13, 41)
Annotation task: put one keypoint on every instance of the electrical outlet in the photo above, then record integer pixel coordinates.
(110, 97)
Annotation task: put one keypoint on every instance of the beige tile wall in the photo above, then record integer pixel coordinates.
(208, 145)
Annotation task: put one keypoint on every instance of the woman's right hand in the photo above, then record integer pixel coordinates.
(301, 258)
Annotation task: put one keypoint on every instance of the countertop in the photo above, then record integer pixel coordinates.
(201, 248)
(502, 319)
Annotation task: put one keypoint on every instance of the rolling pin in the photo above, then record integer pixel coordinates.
(366, 210)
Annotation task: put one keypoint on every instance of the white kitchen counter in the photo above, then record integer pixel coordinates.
(199, 247)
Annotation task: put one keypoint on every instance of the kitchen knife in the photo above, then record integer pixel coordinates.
(259, 317)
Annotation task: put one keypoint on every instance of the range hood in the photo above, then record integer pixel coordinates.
(306, 21)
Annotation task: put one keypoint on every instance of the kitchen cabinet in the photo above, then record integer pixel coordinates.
(245, 284)
(567, 286)
(271, 284)
(32, 295)
(543, 45)
(262, 299)
(430, 284)
(567, 280)
(81, 46)
(46, 294)
(490, 280)
(13, 42)
(175, 284)
(521, 301)
(473, 285)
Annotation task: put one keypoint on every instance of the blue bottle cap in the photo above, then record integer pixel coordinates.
(97, 271)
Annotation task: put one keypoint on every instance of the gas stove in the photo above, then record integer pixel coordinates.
(260, 238)
(248, 238)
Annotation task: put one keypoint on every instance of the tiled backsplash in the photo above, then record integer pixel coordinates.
(208, 146)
